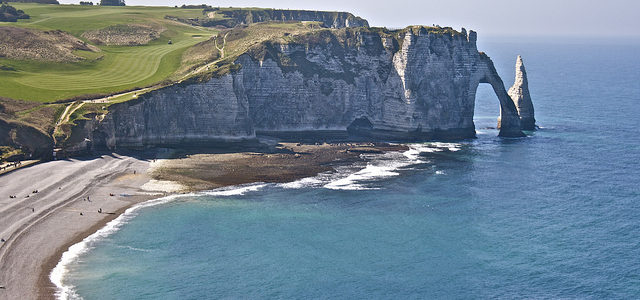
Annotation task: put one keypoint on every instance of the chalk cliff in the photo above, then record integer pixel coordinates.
(519, 93)
(233, 17)
(414, 84)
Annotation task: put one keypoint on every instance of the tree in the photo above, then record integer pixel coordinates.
(10, 14)
(112, 2)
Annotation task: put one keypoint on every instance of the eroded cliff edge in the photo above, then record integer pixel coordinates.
(414, 84)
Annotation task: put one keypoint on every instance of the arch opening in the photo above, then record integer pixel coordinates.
(486, 111)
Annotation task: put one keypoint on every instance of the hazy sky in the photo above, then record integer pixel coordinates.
(584, 18)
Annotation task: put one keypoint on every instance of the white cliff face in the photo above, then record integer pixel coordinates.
(519, 93)
(199, 113)
(358, 82)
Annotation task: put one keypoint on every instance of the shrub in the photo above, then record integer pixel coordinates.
(10, 14)
(112, 2)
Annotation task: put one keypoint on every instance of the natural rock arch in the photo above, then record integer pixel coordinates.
(509, 120)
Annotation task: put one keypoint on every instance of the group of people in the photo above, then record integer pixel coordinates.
(27, 196)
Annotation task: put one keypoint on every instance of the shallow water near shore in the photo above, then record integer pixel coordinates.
(553, 215)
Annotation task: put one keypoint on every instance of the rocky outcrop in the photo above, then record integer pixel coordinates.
(409, 85)
(519, 92)
(27, 138)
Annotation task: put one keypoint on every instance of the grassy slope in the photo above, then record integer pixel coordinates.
(114, 69)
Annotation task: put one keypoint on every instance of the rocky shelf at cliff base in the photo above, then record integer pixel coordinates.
(414, 84)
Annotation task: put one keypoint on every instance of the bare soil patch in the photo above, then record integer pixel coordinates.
(125, 34)
(53, 45)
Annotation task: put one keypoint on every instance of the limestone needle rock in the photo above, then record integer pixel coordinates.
(519, 92)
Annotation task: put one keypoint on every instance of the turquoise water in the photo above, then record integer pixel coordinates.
(553, 215)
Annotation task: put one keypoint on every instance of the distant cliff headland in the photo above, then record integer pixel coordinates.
(209, 76)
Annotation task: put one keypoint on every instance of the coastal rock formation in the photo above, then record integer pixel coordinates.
(519, 92)
(414, 84)
(233, 17)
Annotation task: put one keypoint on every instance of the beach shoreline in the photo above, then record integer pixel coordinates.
(26, 265)
(46, 288)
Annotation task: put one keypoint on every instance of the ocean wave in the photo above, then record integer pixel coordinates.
(370, 172)
(67, 291)
(304, 182)
(235, 190)
(453, 147)
(133, 248)
(379, 167)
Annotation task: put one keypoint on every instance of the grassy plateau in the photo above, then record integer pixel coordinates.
(113, 68)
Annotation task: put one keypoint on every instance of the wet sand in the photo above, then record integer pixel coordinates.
(38, 229)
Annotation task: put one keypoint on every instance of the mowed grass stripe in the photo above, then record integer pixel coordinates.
(126, 68)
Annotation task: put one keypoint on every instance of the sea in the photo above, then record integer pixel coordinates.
(553, 215)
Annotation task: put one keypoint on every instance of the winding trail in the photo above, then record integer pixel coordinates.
(224, 42)
(64, 117)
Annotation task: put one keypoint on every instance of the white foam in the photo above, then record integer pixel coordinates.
(67, 291)
(449, 146)
(134, 248)
(415, 149)
(302, 183)
(235, 190)
(379, 166)
(384, 166)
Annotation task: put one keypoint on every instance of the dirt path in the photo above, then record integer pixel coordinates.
(64, 117)
(224, 42)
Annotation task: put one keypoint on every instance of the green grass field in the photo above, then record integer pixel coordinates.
(115, 68)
